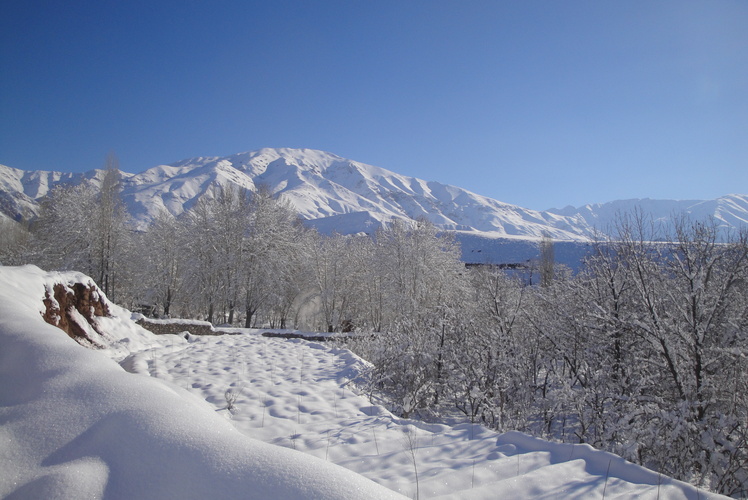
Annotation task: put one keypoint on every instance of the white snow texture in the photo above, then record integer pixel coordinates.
(75, 424)
(345, 196)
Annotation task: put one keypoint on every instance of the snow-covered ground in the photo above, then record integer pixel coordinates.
(74, 424)
(221, 417)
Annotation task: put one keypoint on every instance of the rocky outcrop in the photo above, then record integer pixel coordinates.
(73, 308)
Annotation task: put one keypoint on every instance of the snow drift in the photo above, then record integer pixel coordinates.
(76, 425)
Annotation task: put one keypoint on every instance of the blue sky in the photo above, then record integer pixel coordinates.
(537, 103)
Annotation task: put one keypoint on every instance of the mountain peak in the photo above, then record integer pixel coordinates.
(337, 194)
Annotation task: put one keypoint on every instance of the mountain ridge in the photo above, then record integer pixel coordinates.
(730, 209)
(335, 194)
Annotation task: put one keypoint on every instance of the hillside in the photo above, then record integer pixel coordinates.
(730, 211)
(335, 194)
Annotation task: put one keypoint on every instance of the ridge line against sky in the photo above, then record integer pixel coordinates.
(536, 103)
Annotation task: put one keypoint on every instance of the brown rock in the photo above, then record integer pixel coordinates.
(63, 302)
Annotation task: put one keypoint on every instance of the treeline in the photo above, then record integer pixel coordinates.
(644, 352)
(240, 258)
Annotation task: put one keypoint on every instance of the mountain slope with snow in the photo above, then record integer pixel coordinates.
(335, 194)
(21, 190)
(730, 211)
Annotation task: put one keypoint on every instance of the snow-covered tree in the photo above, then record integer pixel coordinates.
(84, 227)
(497, 366)
(331, 269)
(203, 266)
(109, 229)
(14, 242)
(62, 233)
(273, 259)
(159, 262)
(423, 291)
(547, 260)
(691, 317)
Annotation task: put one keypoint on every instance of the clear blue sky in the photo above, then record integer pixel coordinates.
(537, 103)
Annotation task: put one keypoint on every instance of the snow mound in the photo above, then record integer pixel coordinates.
(76, 425)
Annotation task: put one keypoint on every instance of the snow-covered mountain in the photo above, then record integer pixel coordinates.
(336, 194)
(730, 211)
(21, 191)
(332, 193)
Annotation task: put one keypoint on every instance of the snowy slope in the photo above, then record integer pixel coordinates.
(299, 395)
(21, 190)
(730, 211)
(330, 192)
(337, 194)
(74, 424)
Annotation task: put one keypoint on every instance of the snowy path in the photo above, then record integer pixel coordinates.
(297, 394)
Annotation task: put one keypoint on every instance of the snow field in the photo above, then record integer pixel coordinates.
(300, 395)
(74, 424)
(220, 417)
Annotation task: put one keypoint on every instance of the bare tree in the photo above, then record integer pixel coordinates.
(159, 262)
(109, 227)
(547, 260)
(14, 242)
(84, 227)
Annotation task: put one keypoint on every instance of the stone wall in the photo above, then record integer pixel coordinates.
(175, 327)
